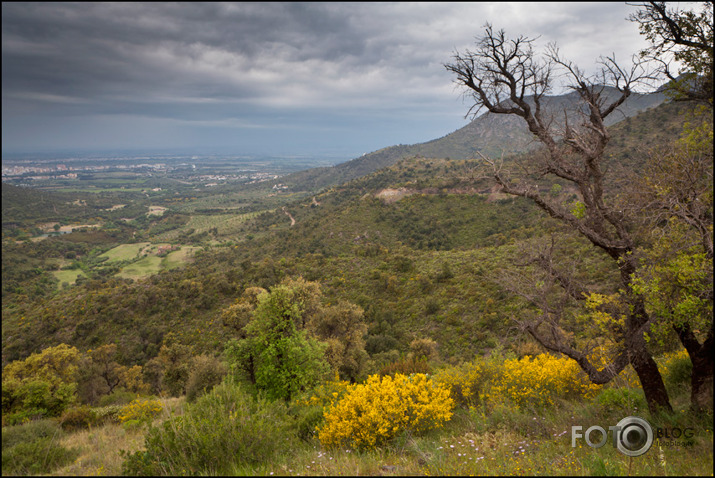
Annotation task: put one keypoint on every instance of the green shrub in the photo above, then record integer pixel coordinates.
(223, 429)
(34, 398)
(307, 419)
(431, 307)
(28, 432)
(407, 366)
(25, 416)
(206, 373)
(678, 370)
(41, 385)
(626, 399)
(78, 418)
(39, 456)
(117, 397)
(109, 414)
(33, 448)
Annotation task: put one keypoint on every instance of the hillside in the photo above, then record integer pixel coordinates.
(384, 233)
(489, 134)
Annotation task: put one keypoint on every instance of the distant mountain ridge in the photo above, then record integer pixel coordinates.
(490, 134)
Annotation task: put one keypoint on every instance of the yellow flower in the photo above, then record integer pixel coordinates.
(374, 412)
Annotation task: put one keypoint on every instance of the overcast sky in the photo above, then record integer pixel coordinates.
(325, 78)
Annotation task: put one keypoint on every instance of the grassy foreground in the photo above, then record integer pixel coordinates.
(506, 441)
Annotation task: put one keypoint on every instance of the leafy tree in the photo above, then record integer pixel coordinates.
(682, 36)
(103, 359)
(674, 196)
(424, 349)
(42, 384)
(238, 315)
(101, 374)
(172, 365)
(277, 353)
(206, 372)
(288, 340)
(341, 326)
(505, 76)
(57, 363)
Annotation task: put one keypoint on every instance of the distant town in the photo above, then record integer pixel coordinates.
(209, 169)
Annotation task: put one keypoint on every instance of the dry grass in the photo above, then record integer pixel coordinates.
(99, 450)
(99, 447)
(458, 449)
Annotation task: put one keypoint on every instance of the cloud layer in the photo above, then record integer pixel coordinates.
(317, 76)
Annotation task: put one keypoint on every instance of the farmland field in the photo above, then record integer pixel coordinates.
(124, 252)
(143, 267)
(68, 276)
(178, 258)
(225, 224)
(152, 263)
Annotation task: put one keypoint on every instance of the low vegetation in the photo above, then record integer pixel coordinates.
(466, 419)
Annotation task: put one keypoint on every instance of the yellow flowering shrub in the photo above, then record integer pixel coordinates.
(669, 360)
(534, 381)
(467, 382)
(326, 393)
(376, 411)
(140, 410)
(538, 381)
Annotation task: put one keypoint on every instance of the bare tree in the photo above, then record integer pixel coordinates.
(505, 76)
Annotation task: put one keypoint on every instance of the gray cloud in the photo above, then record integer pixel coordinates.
(246, 65)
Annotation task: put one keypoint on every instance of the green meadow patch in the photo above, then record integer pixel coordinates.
(178, 258)
(152, 262)
(145, 266)
(68, 276)
(223, 224)
(125, 252)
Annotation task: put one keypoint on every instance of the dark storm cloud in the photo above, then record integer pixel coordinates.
(265, 65)
(173, 52)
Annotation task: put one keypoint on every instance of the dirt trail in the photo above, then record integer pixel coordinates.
(292, 221)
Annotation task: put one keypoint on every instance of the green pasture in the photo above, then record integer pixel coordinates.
(68, 276)
(152, 264)
(125, 252)
(145, 266)
(225, 224)
(178, 258)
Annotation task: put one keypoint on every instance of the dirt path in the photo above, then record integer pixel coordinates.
(292, 221)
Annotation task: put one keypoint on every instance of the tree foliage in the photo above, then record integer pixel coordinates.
(288, 340)
(43, 384)
(684, 37)
(674, 199)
